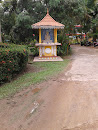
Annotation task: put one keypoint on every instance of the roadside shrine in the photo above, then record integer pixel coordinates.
(48, 39)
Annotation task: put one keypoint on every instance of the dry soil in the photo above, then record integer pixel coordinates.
(68, 101)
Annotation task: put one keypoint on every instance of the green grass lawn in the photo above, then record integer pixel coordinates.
(49, 69)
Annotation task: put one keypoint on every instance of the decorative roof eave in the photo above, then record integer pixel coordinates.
(47, 44)
(48, 27)
(48, 23)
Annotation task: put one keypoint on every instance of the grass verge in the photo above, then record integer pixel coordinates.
(49, 69)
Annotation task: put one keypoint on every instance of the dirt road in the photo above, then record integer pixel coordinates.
(69, 102)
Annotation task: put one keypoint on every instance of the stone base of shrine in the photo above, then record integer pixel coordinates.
(51, 58)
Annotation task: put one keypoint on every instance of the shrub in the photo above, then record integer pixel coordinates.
(33, 49)
(13, 59)
(64, 49)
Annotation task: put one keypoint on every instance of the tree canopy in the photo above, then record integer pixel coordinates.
(19, 15)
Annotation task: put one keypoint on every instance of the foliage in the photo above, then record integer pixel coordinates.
(93, 7)
(91, 3)
(22, 27)
(13, 59)
(64, 48)
(47, 70)
(1, 15)
(33, 49)
(17, 23)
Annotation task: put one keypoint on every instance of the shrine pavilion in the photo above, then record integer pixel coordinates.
(48, 39)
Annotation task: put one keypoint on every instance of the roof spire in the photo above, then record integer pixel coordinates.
(47, 11)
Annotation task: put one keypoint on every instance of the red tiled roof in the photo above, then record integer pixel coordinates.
(47, 22)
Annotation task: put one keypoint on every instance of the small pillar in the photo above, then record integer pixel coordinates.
(55, 35)
(39, 35)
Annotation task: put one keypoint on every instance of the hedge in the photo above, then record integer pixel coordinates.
(13, 59)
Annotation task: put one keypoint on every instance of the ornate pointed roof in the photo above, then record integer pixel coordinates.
(48, 22)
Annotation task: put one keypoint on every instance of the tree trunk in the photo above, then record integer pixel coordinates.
(0, 33)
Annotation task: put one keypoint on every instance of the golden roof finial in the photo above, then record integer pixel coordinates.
(47, 11)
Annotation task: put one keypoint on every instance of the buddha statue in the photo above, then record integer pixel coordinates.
(47, 38)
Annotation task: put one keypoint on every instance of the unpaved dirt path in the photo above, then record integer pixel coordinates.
(66, 102)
